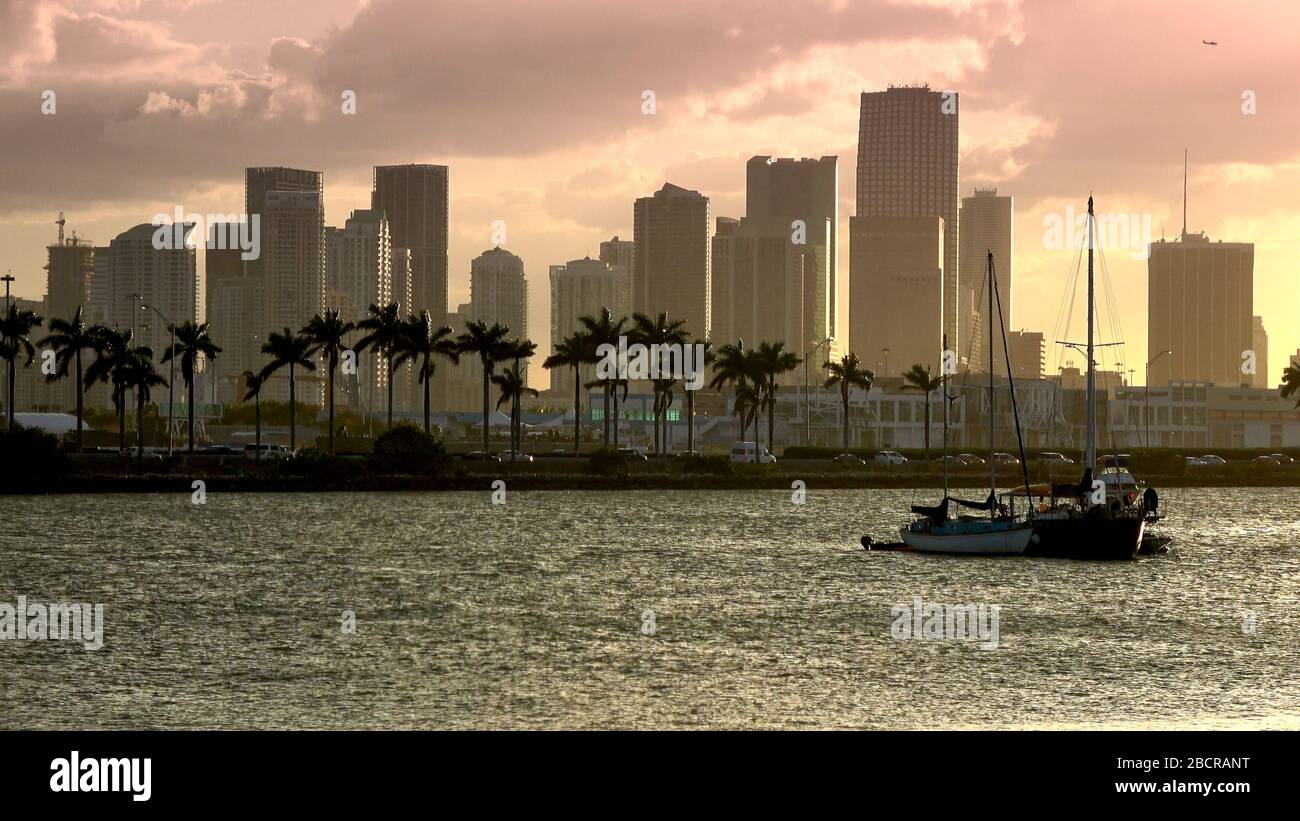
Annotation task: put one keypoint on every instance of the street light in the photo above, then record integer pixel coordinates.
(1146, 396)
(885, 351)
(171, 379)
(807, 435)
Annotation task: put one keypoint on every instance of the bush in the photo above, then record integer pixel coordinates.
(314, 463)
(606, 462)
(707, 465)
(30, 453)
(407, 449)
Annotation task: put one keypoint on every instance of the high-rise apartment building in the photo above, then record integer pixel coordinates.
(414, 198)
(895, 280)
(780, 191)
(1259, 344)
(670, 269)
(1028, 354)
(908, 167)
(358, 274)
(1200, 305)
(499, 293)
(619, 252)
(234, 311)
(986, 225)
(583, 287)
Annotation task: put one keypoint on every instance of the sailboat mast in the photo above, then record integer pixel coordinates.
(993, 482)
(943, 371)
(1090, 452)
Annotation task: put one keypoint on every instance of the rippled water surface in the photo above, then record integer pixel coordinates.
(767, 614)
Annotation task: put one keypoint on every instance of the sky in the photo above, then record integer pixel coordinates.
(537, 108)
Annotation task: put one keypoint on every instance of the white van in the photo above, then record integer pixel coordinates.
(744, 452)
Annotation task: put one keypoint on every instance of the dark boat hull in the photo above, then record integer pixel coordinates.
(1096, 538)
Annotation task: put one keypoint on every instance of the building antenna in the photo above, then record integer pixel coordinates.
(1184, 193)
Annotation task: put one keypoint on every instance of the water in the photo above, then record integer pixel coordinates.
(767, 614)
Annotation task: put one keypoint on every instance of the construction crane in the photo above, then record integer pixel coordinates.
(60, 222)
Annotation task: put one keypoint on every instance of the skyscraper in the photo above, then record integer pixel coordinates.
(908, 167)
(781, 190)
(670, 270)
(617, 251)
(262, 180)
(1259, 344)
(415, 200)
(234, 307)
(1200, 305)
(766, 288)
(498, 292)
(583, 287)
(895, 280)
(1028, 354)
(292, 259)
(358, 274)
(69, 272)
(986, 225)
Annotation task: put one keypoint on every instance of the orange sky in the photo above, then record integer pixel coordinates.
(537, 109)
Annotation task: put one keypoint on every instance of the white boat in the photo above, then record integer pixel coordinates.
(1001, 533)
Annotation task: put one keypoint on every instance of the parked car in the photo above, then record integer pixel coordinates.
(744, 452)
(1194, 461)
(513, 456)
(688, 454)
(1282, 458)
(480, 456)
(969, 459)
(890, 457)
(849, 459)
(1266, 460)
(1211, 459)
(222, 450)
(268, 451)
(634, 454)
(1005, 459)
(1054, 457)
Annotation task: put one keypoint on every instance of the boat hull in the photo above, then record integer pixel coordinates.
(1001, 542)
(1097, 538)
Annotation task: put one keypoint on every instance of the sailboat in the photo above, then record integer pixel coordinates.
(1081, 522)
(1000, 534)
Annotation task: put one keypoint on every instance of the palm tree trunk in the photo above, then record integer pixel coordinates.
(771, 420)
(139, 423)
(9, 400)
(390, 390)
(81, 399)
(927, 426)
(605, 395)
(121, 422)
(577, 413)
(844, 397)
(257, 419)
(615, 392)
(690, 421)
(427, 380)
(486, 399)
(331, 392)
(293, 412)
(189, 386)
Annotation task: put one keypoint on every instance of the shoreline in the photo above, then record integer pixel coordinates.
(549, 481)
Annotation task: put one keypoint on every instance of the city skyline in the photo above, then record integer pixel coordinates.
(562, 191)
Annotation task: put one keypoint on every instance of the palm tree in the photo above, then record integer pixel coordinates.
(326, 334)
(112, 356)
(690, 400)
(290, 350)
(659, 331)
(16, 326)
(138, 372)
(385, 327)
(773, 360)
(749, 400)
(489, 343)
(918, 378)
(731, 366)
(68, 338)
(1291, 382)
(513, 388)
(253, 383)
(848, 374)
(419, 342)
(605, 330)
(192, 340)
(518, 349)
(572, 352)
